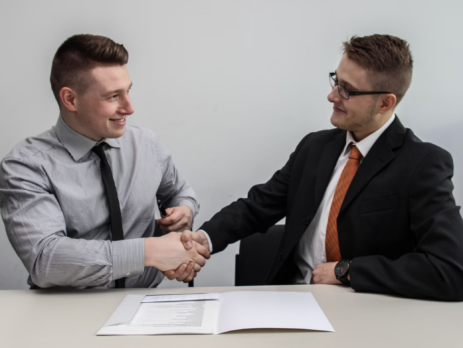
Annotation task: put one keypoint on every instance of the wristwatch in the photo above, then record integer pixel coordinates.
(342, 270)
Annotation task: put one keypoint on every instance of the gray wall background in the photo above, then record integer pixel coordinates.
(230, 86)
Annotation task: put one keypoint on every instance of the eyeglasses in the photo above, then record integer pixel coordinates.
(344, 92)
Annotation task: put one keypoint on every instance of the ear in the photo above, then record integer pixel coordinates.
(388, 102)
(68, 98)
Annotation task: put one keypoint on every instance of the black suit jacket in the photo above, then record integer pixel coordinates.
(398, 223)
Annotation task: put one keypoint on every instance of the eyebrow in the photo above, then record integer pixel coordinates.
(118, 90)
(344, 83)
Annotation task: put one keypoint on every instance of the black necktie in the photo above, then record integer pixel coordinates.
(114, 209)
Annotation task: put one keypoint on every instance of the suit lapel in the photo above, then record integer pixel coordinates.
(329, 158)
(378, 157)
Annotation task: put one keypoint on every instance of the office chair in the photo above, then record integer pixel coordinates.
(256, 254)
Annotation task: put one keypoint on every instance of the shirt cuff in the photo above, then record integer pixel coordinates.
(208, 240)
(128, 258)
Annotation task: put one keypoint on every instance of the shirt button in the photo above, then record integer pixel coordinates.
(281, 256)
(306, 220)
(128, 274)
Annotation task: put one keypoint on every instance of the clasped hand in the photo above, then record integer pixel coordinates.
(175, 250)
(180, 219)
(186, 272)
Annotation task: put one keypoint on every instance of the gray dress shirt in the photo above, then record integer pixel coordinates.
(55, 210)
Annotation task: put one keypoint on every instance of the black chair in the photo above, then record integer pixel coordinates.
(257, 252)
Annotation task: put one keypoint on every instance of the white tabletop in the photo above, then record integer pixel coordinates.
(44, 318)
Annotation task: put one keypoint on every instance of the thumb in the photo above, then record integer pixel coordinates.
(186, 240)
(169, 211)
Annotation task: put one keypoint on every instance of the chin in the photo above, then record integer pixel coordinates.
(337, 123)
(116, 133)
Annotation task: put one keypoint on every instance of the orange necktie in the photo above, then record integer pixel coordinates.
(331, 241)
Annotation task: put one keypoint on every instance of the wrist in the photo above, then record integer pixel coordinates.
(341, 271)
(188, 215)
(203, 239)
(150, 245)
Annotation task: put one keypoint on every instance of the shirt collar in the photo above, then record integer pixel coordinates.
(366, 144)
(77, 144)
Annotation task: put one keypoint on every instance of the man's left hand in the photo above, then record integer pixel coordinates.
(324, 274)
(178, 219)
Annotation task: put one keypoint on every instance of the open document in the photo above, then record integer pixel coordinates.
(215, 313)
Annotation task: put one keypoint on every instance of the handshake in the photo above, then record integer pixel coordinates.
(178, 255)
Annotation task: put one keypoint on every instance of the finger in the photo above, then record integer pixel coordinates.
(168, 274)
(180, 270)
(200, 260)
(171, 219)
(173, 274)
(180, 225)
(185, 238)
(187, 272)
(190, 277)
(202, 251)
(197, 267)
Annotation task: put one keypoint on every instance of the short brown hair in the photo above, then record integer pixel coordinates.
(387, 59)
(79, 54)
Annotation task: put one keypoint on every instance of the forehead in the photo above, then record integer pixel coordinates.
(110, 77)
(352, 74)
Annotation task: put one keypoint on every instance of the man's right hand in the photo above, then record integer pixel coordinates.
(198, 237)
(170, 252)
(184, 273)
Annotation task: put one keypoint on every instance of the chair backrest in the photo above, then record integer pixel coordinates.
(257, 252)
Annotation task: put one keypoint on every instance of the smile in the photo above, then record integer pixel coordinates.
(119, 121)
(338, 110)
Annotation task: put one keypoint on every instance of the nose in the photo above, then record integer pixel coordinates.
(126, 106)
(333, 96)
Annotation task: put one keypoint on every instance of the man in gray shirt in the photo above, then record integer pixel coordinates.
(52, 196)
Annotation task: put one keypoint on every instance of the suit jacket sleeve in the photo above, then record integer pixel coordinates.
(435, 269)
(265, 205)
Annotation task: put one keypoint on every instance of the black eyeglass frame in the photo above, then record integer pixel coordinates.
(350, 93)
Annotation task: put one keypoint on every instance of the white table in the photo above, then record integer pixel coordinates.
(44, 318)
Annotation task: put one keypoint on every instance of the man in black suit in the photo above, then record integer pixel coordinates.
(367, 204)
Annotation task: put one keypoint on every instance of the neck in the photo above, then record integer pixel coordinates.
(70, 120)
(382, 120)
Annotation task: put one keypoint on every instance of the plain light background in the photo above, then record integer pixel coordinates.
(230, 86)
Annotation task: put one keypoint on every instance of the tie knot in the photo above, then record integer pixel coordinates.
(355, 153)
(98, 149)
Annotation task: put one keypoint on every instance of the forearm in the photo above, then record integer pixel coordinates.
(62, 261)
(413, 275)
(256, 213)
(173, 190)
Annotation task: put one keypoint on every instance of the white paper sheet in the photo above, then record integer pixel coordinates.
(270, 309)
(160, 318)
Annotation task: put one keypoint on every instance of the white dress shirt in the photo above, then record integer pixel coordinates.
(310, 252)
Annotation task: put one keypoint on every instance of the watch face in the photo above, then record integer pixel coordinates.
(341, 268)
